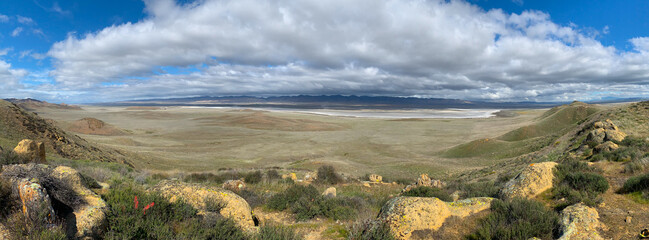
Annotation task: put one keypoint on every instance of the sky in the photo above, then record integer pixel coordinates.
(508, 50)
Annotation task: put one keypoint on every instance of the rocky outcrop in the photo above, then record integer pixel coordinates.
(376, 178)
(310, 176)
(64, 184)
(235, 207)
(425, 181)
(535, 179)
(329, 192)
(234, 185)
(579, 222)
(31, 150)
(605, 131)
(404, 215)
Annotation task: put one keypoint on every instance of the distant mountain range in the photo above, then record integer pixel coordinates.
(339, 102)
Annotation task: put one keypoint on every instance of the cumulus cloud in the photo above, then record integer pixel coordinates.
(10, 77)
(449, 49)
(4, 18)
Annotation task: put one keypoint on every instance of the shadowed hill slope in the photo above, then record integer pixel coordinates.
(32, 104)
(17, 124)
(550, 126)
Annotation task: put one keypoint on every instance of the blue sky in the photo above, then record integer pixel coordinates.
(94, 51)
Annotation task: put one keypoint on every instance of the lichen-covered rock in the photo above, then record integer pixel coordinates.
(35, 201)
(310, 176)
(329, 192)
(376, 178)
(535, 179)
(605, 131)
(234, 185)
(607, 146)
(425, 181)
(32, 150)
(579, 222)
(64, 184)
(292, 176)
(404, 215)
(235, 207)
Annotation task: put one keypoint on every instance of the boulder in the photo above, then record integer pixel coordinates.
(404, 215)
(613, 135)
(329, 192)
(607, 146)
(579, 222)
(32, 150)
(196, 195)
(597, 135)
(376, 178)
(292, 176)
(36, 203)
(88, 216)
(425, 181)
(310, 176)
(234, 185)
(535, 179)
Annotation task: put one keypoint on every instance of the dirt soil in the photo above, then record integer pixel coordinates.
(616, 208)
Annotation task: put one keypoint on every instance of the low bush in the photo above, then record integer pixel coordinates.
(212, 178)
(272, 175)
(8, 157)
(370, 230)
(636, 166)
(21, 227)
(253, 177)
(275, 232)
(327, 175)
(576, 182)
(306, 202)
(284, 200)
(517, 219)
(424, 191)
(477, 189)
(636, 184)
(5, 199)
(151, 216)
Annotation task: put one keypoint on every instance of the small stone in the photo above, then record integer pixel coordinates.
(366, 185)
(628, 219)
(330, 192)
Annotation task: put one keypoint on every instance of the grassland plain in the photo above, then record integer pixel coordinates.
(190, 139)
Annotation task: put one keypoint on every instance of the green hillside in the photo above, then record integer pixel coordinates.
(548, 127)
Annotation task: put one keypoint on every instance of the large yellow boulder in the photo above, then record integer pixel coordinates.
(535, 179)
(235, 207)
(405, 215)
(579, 222)
(32, 150)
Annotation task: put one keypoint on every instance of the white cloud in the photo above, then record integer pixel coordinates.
(4, 51)
(395, 47)
(4, 18)
(25, 20)
(16, 32)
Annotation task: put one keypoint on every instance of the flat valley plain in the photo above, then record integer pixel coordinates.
(180, 139)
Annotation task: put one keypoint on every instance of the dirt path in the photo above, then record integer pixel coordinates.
(615, 210)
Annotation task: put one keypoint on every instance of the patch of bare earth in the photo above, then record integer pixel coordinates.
(616, 209)
(263, 121)
(93, 126)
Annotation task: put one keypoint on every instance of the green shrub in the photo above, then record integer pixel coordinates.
(424, 191)
(214, 205)
(283, 200)
(327, 174)
(272, 175)
(127, 222)
(478, 189)
(212, 178)
(636, 184)
(8, 157)
(253, 177)
(306, 203)
(517, 219)
(275, 232)
(21, 227)
(586, 181)
(210, 228)
(370, 230)
(5, 198)
(576, 182)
